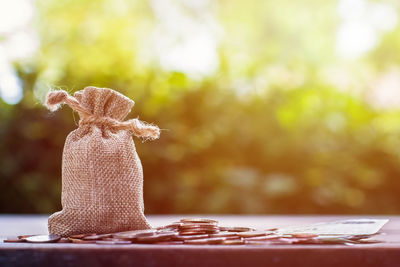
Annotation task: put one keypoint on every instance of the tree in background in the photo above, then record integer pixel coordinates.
(266, 107)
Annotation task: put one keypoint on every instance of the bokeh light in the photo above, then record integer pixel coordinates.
(266, 107)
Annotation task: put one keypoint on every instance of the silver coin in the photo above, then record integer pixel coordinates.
(43, 238)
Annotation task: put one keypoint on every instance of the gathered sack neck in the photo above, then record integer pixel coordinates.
(113, 120)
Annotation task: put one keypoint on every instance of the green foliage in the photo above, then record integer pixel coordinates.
(267, 133)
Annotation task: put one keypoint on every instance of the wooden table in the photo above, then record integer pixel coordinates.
(25, 254)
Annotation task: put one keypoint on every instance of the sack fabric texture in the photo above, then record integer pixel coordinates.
(102, 177)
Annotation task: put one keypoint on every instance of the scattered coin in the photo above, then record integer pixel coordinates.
(304, 235)
(332, 240)
(81, 241)
(263, 238)
(306, 241)
(149, 232)
(24, 236)
(120, 242)
(358, 237)
(283, 241)
(252, 234)
(170, 243)
(96, 237)
(233, 242)
(14, 239)
(80, 236)
(64, 240)
(200, 231)
(115, 239)
(134, 234)
(236, 229)
(205, 241)
(171, 226)
(156, 238)
(369, 241)
(43, 238)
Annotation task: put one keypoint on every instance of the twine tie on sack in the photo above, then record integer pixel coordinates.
(138, 128)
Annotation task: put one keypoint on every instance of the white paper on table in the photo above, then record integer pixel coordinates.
(343, 227)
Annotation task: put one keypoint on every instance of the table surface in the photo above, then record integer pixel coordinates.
(386, 253)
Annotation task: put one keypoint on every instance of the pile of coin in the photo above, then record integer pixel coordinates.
(196, 231)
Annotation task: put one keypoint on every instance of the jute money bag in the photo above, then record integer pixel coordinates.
(102, 177)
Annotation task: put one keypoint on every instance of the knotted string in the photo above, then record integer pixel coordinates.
(139, 128)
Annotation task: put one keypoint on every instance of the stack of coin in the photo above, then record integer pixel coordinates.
(195, 231)
(198, 226)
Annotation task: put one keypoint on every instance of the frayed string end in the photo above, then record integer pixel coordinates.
(144, 130)
(55, 99)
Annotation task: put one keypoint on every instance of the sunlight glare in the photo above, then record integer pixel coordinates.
(185, 43)
(362, 24)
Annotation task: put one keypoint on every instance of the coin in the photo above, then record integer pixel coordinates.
(236, 229)
(205, 226)
(14, 239)
(358, 237)
(170, 243)
(174, 225)
(191, 229)
(199, 220)
(205, 241)
(251, 234)
(79, 236)
(233, 242)
(223, 234)
(120, 242)
(134, 234)
(24, 236)
(232, 237)
(192, 233)
(369, 241)
(209, 227)
(64, 240)
(283, 241)
(189, 237)
(198, 228)
(96, 237)
(258, 243)
(81, 241)
(198, 231)
(331, 240)
(262, 238)
(156, 237)
(43, 238)
(212, 229)
(306, 241)
(114, 239)
(304, 235)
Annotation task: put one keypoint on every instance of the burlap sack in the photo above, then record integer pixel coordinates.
(102, 178)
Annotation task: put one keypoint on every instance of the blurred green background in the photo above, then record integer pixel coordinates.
(267, 107)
